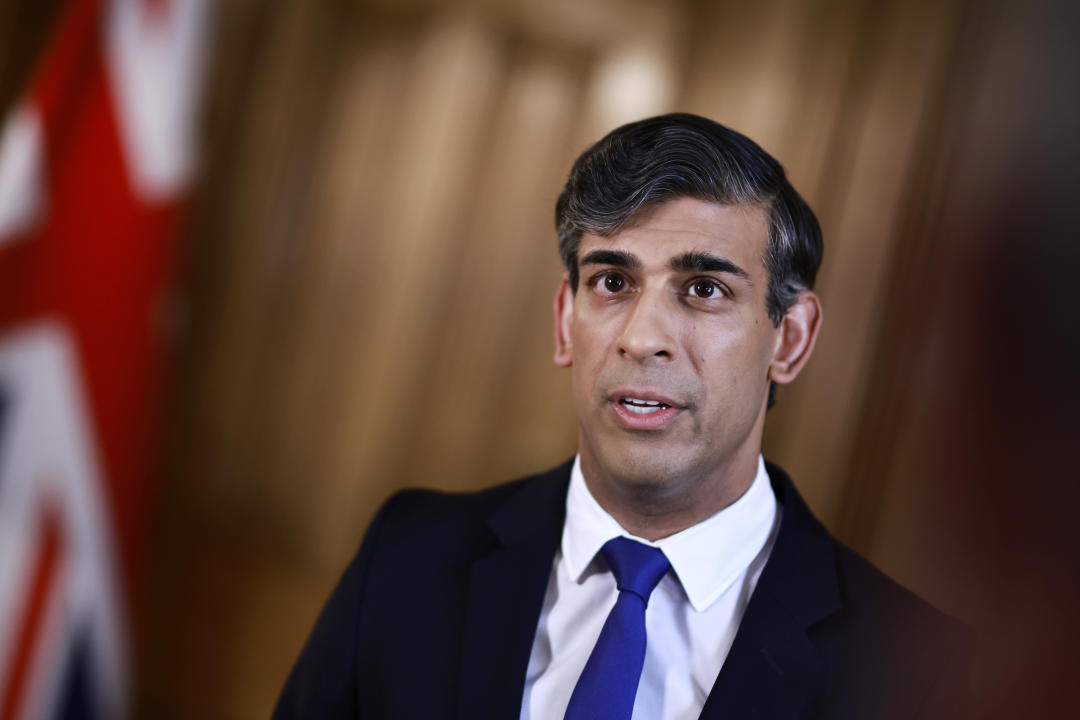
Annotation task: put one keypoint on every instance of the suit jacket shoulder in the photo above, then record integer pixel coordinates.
(430, 618)
(828, 635)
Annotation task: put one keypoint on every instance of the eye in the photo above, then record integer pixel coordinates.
(609, 283)
(614, 283)
(705, 289)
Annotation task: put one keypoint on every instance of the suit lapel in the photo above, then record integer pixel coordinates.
(506, 594)
(773, 669)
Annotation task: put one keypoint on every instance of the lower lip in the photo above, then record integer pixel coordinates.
(644, 421)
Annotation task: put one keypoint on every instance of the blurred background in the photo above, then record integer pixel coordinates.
(286, 257)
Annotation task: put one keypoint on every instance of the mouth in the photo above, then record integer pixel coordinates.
(637, 410)
(639, 406)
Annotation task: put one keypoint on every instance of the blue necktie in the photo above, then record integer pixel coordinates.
(609, 682)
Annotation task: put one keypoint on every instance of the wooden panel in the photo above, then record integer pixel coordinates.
(976, 499)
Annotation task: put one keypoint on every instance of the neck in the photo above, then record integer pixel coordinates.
(655, 510)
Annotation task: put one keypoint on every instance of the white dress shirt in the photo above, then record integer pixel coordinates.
(692, 615)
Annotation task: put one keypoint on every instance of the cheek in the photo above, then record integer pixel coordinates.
(591, 337)
(588, 359)
(717, 352)
(732, 363)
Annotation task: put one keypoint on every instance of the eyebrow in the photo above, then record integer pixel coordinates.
(707, 262)
(618, 258)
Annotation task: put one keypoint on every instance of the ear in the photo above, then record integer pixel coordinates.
(564, 313)
(795, 341)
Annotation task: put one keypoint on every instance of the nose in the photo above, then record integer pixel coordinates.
(648, 335)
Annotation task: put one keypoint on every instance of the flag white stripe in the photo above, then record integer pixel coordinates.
(22, 173)
(154, 56)
(51, 457)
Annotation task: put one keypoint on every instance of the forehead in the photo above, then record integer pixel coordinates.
(659, 232)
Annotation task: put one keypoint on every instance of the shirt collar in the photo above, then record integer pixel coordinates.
(707, 558)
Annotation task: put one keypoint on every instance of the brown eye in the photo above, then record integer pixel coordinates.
(704, 289)
(614, 283)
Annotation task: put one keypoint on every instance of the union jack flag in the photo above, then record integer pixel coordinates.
(94, 161)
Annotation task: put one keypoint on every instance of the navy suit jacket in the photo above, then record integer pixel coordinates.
(435, 618)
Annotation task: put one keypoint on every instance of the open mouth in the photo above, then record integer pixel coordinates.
(643, 407)
(645, 410)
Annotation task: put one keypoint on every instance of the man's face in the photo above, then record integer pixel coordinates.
(670, 346)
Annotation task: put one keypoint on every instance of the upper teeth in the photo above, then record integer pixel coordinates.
(647, 403)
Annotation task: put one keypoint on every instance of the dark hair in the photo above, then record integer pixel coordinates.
(681, 155)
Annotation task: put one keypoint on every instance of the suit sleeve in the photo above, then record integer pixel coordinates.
(322, 684)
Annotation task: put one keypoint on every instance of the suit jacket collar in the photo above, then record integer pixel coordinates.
(506, 594)
(773, 669)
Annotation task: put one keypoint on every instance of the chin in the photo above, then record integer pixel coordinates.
(642, 465)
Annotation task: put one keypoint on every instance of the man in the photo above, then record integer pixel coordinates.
(666, 571)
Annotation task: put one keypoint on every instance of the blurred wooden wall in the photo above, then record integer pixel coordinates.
(372, 263)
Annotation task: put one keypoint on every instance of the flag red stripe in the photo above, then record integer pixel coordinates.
(29, 630)
(100, 262)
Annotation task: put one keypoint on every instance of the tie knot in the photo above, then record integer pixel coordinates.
(636, 567)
